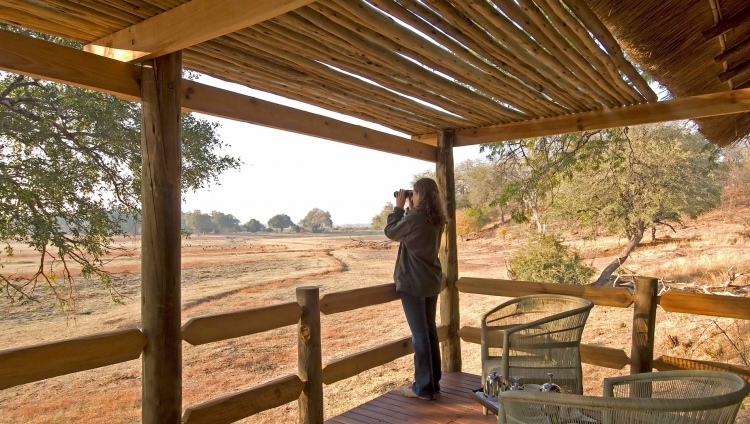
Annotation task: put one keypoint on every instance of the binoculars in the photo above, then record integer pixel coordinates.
(409, 193)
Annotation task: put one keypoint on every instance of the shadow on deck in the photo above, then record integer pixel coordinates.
(453, 405)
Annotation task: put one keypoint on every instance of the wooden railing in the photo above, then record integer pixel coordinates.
(28, 364)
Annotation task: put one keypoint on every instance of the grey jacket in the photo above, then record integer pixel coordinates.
(418, 271)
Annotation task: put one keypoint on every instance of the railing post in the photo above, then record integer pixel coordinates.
(310, 357)
(160, 242)
(449, 306)
(644, 321)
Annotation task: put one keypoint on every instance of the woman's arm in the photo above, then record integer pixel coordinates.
(398, 227)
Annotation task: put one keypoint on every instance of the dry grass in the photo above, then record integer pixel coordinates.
(223, 274)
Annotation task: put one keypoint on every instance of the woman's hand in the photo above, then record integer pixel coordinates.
(401, 199)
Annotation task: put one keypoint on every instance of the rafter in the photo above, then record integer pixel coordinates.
(41, 59)
(724, 103)
(187, 25)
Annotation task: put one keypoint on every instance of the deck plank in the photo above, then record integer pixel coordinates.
(452, 405)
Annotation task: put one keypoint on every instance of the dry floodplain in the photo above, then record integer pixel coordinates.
(224, 273)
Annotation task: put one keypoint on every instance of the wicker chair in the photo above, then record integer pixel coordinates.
(669, 397)
(531, 336)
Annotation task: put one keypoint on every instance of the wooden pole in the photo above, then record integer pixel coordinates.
(644, 320)
(449, 310)
(310, 357)
(160, 241)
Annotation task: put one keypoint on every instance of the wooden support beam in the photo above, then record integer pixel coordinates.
(735, 71)
(723, 26)
(41, 59)
(310, 356)
(669, 363)
(644, 325)
(714, 104)
(449, 306)
(161, 150)
(187, 25)
(738, 48)
(602, 296)
(213, 328)
(359, 362)
(347, 300)
(234, 407)
(706, 304)
(33, 363)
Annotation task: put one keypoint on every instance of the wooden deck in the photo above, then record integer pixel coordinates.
(452, 405)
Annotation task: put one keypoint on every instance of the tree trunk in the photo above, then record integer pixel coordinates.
(540, 227)
(612, 267)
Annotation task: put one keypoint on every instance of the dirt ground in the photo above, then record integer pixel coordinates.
(224, 273)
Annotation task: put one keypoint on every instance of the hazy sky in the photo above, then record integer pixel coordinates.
(291, 173)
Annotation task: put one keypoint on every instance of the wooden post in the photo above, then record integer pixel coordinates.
(449, 311)
(310, 357)
(160, 242)
(644, 320)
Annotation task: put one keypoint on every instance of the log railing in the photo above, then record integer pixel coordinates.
(34, 363)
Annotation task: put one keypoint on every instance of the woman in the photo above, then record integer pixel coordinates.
(418, 276)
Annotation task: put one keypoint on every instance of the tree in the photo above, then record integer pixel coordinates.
(253, 226)
(226, 223)
(380, 220)
(429, 173)
(633, 179)
(69, 157)
(280, 222)
(199, 222)
(317, 220)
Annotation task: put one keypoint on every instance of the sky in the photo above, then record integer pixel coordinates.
(287, 173)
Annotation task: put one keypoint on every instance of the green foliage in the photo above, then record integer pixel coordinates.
(280, 222)
(479, 215)
(198, 222)
(317, 220)
(546, 259)
(429, 173)
(225, 223)
(380, 220)
(253, 226)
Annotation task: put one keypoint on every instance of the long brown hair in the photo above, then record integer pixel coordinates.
(429, 201)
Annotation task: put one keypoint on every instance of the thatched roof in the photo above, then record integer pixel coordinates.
(664, 37)
(504, 61)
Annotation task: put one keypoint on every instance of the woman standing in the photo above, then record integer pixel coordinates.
(418, 277)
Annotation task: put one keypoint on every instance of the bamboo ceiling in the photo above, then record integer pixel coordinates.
(459, 63)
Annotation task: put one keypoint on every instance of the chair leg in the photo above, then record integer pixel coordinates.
(484, 410)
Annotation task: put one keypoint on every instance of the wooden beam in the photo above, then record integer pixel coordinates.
(450, 315)
(644, 325)
(347, 300)
(359, 362)
(187, 25)
(310, 356)
(706, 304)
(669, 363)
(602, 296)
(739, 47)
(212, 328)
(234, 407)
(161, 170)
(723, 26)
(714, 104)
(41, 59)
(33, 363)
(735, 71)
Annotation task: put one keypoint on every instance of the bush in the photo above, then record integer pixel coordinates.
(479, 215)
(546, 259)
(464, 224)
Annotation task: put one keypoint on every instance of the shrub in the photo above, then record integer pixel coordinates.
(546, 259)
(464, 224)
(479, 215)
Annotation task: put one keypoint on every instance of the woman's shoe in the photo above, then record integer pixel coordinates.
(409, 392)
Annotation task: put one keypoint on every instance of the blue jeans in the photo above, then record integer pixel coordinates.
(420, 314)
